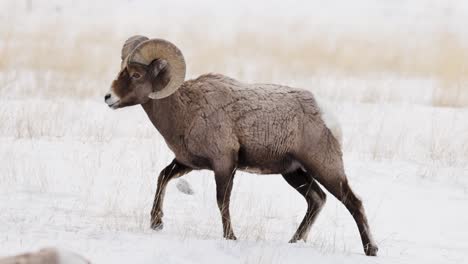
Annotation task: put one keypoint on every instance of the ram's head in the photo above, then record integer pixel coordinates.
(150, 69)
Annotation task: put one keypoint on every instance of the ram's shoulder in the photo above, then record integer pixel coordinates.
(215, 82)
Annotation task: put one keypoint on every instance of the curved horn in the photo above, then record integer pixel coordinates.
(152, 49)
(129, 45)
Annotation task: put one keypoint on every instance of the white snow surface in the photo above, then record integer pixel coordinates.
(67, 257)
(80, 176)
(76, 175)
(184, 186)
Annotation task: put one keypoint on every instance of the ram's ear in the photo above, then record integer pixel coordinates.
(157, 66)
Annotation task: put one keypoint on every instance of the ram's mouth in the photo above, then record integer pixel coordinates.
(114, 105)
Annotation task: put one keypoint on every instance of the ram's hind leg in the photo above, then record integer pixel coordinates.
(329, 172)
(314, 196)
(173, 170)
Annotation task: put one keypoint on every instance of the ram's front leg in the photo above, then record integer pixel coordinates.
(173, 170)
(224, 170)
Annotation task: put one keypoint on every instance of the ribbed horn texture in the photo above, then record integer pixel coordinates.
(131, 44)
(152, 49)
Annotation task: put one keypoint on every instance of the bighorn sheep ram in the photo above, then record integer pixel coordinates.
(217, 123)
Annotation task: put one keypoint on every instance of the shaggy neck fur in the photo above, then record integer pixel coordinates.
(164, 114)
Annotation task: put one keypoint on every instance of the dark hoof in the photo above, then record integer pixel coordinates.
(230, 237)
(157, 225)
(371, 250)
(295, 238)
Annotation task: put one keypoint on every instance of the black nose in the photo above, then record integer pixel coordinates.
(107, 97)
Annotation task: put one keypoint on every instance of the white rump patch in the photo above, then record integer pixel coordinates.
(330, 121)
(184, 187)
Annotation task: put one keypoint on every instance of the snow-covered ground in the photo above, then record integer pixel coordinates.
(76, 175)
(80, 176)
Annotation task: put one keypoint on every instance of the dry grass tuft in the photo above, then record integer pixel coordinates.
(451, 95)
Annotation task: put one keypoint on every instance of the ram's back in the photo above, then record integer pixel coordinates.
(267, 120)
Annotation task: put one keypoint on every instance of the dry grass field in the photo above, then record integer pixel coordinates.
(87, 57)
(83, 55)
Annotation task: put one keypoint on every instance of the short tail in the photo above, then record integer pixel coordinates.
(331, 121)
(184, 187)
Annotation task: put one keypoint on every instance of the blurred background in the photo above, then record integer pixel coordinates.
(296, 42)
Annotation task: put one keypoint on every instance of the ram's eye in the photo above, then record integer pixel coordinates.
(136, 75)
